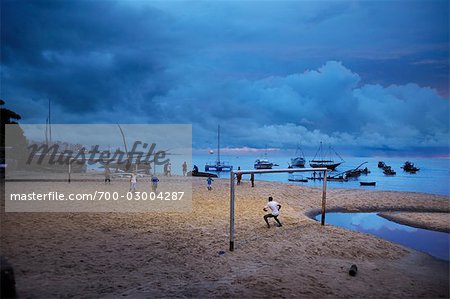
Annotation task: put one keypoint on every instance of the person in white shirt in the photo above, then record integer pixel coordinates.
(133, 182)
(275, 208)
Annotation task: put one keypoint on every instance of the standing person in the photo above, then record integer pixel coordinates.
(252, 178)
(133, 182)
(169, 169)
(155, 181)
(107, 175)
(238, 177)
(184, 166)
(209, 181)
(165, 168)
(275, 211)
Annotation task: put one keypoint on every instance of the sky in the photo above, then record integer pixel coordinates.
(368, 77)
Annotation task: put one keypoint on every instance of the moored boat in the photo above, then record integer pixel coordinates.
(387, 170)
(409, 167)
(263, 164)
(202, 174)
(298, 160)
(367, 183)
(218, 165)
(320, 162)
(297, 178)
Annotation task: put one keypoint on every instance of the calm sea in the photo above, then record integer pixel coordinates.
(433, 176)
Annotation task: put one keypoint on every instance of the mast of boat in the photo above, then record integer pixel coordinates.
(301, 150)
(218, 144)
(319, 150)
(48, 126)
(49, 122)
(125, 145)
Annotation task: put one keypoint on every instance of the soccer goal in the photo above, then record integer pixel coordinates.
(288, 170)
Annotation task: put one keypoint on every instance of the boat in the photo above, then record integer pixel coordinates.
(197, 173)
(409, 167)
(319, 160)
(337, 179)
(50, 155)
(334, 178)
(387, 170)
(264, 163)
(202, 174)
(218, 165)
(367, 183)
(297, 178)
(298, 161)
(354, 173)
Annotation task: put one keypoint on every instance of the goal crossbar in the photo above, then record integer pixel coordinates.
(233, 173)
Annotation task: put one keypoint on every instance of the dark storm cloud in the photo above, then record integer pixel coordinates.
(366, 74)
(85, 56)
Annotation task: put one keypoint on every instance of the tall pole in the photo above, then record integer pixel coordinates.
(324, 196)
(70, 168)
(231, 210)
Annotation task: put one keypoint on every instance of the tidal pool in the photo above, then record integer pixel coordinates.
(432, 242)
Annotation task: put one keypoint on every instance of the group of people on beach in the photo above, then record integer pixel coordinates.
(133, 182)
(167, 171)
(272, 205)
(239, 178)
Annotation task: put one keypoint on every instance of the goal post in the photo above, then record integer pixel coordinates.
(288, 170)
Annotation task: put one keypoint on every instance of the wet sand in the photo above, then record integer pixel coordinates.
(143, 255)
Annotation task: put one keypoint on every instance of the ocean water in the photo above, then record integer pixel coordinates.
(432, 242)
(433, 176)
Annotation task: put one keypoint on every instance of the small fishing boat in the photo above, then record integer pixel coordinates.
(297, 178)
(387, 170)
(367, 183)
(354, 173)
(202, 174)
(334, 178)
(337, 179)
(409, 167)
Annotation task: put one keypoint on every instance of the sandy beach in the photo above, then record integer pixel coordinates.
(146, 255)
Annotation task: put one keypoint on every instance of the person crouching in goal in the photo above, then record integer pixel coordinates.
(275, 208)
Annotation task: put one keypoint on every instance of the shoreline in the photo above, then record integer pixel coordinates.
(88, 176)
(398, 217)
(390, 214)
